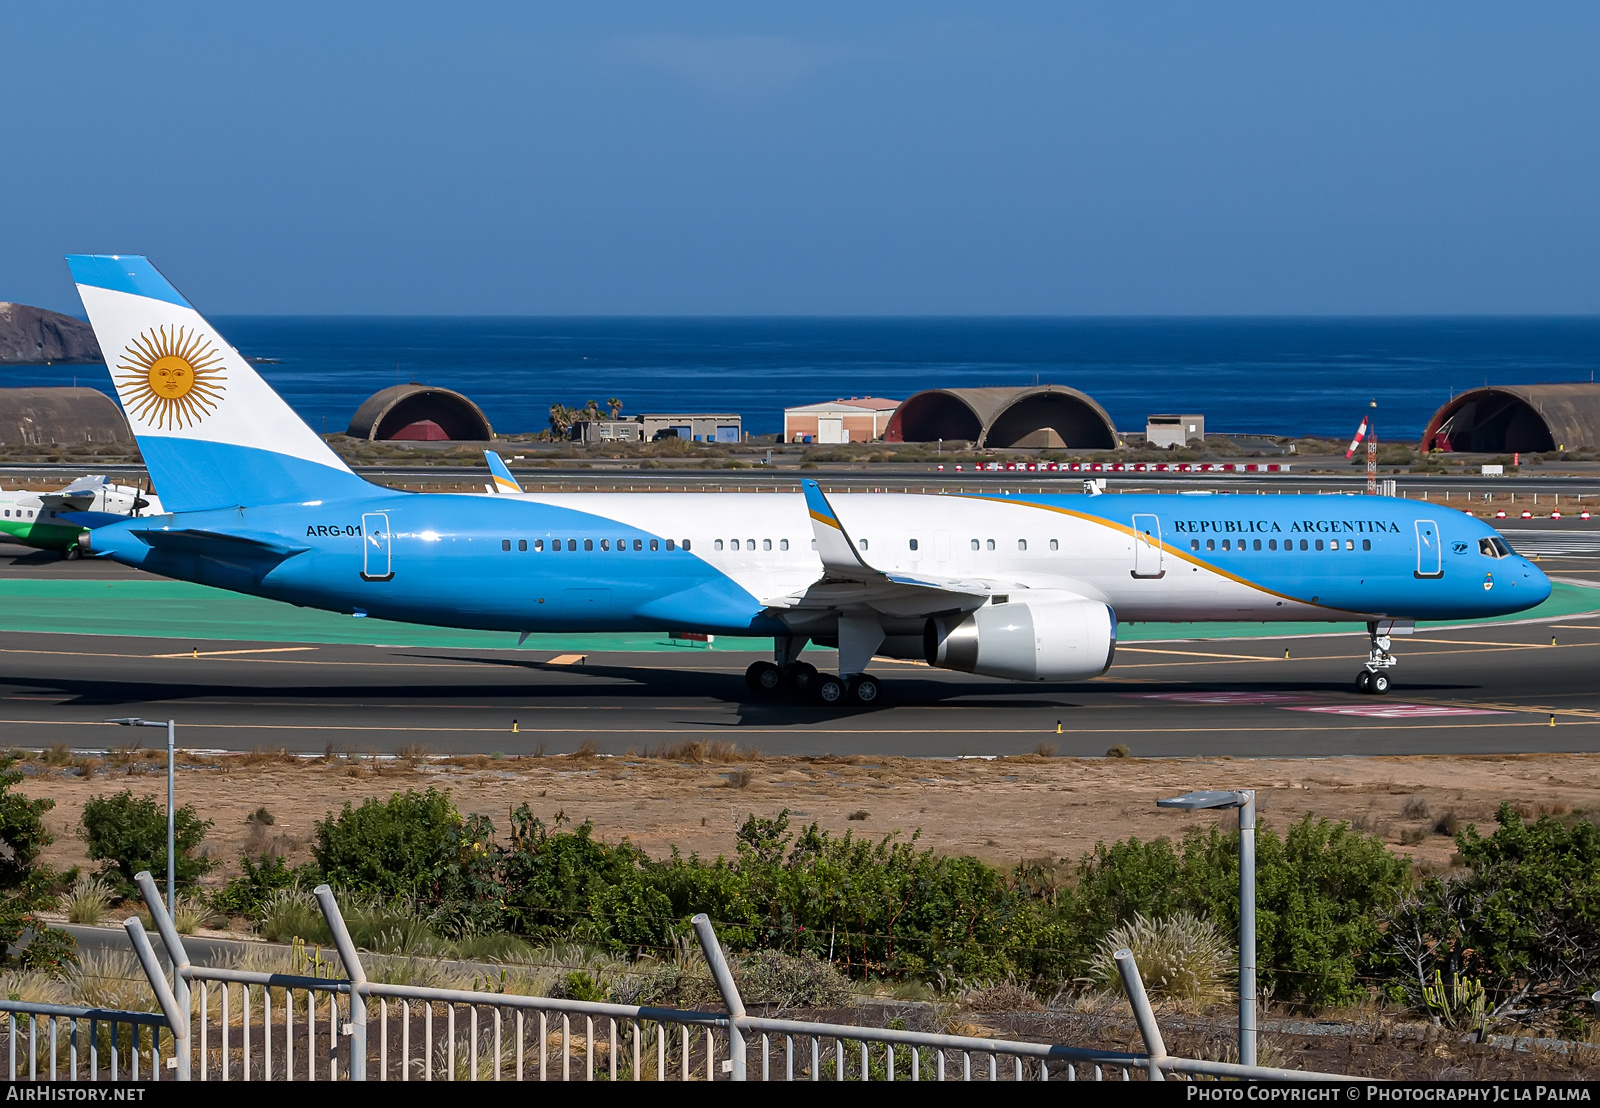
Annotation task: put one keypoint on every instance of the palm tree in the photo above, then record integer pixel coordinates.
(561, 418)
(591, 409)
(616, 407)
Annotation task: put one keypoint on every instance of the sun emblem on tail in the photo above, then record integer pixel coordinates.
(171, 379)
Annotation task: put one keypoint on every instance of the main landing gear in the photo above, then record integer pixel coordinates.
(1372, 680)
(769, 680)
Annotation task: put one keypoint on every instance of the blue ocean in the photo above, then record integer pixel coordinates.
(1264, 376)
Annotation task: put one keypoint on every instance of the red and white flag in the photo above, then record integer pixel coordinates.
(1361, 433)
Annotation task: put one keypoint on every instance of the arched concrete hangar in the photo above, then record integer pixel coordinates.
(35, 416)
(1503, 419)
(420, 413)
(1038, 416)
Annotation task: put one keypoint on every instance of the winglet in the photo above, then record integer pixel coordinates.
(503, 481)
(834, 545)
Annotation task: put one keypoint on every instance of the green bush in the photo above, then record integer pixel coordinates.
(400, 848)
(1524, 919)
(1318, 892)
(246, 895)
(129, 833)
(26, 886)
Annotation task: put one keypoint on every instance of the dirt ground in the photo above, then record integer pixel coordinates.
(1001, 810)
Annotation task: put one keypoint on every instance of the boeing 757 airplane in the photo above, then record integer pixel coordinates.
(1023, 586)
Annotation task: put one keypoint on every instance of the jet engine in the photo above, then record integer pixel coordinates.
(1038, 639)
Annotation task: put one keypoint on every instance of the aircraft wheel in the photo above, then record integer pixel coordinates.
(1379, 684)
(764, 678)
(72, 553)
(800, 676)
(828, 690)
(865, 690)
(1364, 681)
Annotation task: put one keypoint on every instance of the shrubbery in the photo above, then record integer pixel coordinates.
(873, 906)
(1522, 922)
(129, 833)
(26, 885)
(1337, 913)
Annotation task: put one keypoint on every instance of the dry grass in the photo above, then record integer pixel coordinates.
(264, 755)
(1416, 808)
(740, 778)
(859, 814)
(1119, 751)
(700, 752)
(1045, 750)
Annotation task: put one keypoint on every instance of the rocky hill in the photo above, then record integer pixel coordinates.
(29, 334)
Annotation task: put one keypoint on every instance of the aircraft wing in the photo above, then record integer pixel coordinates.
(77, 497)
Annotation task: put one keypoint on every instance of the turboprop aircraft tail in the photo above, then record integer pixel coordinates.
(212, 432)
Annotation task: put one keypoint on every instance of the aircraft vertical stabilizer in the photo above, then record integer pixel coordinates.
(212, 432)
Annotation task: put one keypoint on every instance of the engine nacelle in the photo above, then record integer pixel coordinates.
(1054, 639)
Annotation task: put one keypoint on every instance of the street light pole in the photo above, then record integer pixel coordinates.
(1247, 927)
(172, 855)
(1245, 801)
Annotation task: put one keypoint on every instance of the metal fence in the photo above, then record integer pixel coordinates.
(229, 1024)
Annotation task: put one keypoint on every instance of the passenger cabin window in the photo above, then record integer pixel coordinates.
(1303, 544)
(717, 544)
(991, 544)
(1055, 544)
(572, 544)
(522, 544)
(671, 545)
(1022, 544)
(505, 544)
(1256, 545)
(766, 544)
(862, 544)
(605, 544)
(1211, 544)
(975, 544)
(1272, 544)
(685, 544)
(1194, 544)
(638, 544)
(913, 544)
(783, 544)
(1319, 544)
(655, 544)
(588, 544)
(538, 546)
(1366, 544)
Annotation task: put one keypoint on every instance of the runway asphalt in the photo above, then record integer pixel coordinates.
(1484, 689)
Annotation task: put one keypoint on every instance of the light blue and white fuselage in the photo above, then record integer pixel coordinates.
(1023, 586)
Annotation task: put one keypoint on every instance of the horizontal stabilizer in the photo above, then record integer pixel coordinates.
(232, 549)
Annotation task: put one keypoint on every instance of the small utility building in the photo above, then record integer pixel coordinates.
(1174, 430)
(857, 419)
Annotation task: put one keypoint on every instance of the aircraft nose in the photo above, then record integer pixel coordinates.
(1535, 579)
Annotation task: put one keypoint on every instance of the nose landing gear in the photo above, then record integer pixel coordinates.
(1372, 680)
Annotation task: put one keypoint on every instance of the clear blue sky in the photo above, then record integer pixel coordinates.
(833, 158)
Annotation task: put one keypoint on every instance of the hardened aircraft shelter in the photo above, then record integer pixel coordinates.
(1039, 416)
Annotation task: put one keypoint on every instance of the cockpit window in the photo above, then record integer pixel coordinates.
(1494, 548)
(1503, 547)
